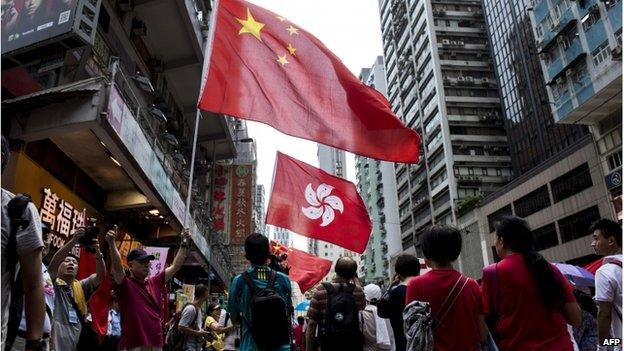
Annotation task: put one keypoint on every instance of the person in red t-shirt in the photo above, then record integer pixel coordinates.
(528, 302)
(463, 327)
(298, 334)
(139, 297)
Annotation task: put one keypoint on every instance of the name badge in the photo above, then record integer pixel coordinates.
(73, 317)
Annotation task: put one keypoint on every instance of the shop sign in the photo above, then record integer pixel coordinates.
(241, 205)
(614, 179)
(62, 218)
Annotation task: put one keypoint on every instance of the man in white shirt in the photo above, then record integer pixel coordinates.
(608, 243)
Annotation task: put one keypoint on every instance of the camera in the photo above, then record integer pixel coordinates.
(90, 236)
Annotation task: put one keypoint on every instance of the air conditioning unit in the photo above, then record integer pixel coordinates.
(484, 80)
(560, 80)
(469, 79)
(460, 42)
(446, 41)
(461, 78)
(544, 56)
(570, 73)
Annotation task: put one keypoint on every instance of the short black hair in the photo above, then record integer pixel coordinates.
(609, 229)
(200, 291)
(441, 244)
(257, 249)
(300, 320)
(407, 266)
(346, 267)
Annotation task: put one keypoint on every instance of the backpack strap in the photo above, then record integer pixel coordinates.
(449, 302)
(247, 279)
(330, 288)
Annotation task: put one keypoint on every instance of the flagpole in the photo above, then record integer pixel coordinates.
(209, 39)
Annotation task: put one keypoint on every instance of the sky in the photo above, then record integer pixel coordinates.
(350, 29)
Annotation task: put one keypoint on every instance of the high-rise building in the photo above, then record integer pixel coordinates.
(441, 83)
(558, 186)
(282, 236)
(377, 185)
(259, 213)
(580, 49)
(332, 161)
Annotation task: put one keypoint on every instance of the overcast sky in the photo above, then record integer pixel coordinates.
(349, 28)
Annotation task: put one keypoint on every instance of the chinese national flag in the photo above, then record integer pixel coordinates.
(316, 204)
(265, 68)
(99, 303)
(305, 269)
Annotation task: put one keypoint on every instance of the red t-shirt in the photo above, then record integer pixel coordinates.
(459, 330)
(524, 322)
(141, 310)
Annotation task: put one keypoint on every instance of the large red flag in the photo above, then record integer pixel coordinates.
(316, 204)
(305, 269)
(99, 303)
(265, 68)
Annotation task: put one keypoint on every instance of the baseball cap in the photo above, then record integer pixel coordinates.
(140, 255)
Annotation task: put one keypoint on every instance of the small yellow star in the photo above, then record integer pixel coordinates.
(292, 30)
(282, 60)
(291, 49)
(282, 19)
(277, 247)
(250, 25)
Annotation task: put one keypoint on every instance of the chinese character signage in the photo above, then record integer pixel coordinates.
(241, 201)
(160, 263)
(220, 196)
(62, 218)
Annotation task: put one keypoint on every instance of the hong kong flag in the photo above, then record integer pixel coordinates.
(265, 68)
(305, 269)
(316, 204)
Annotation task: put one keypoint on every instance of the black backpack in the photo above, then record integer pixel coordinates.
(174, 338)
(341, 327)
(16, 208)
(270, 325)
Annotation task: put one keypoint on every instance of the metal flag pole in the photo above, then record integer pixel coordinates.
(205, 69)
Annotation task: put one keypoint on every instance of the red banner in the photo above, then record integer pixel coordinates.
(241, 204)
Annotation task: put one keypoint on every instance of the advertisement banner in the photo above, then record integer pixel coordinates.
(241, 192)
(26, 22)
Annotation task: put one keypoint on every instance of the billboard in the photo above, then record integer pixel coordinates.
(27, 22)
(241, 192)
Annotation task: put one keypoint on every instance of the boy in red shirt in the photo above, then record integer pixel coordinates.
(463, 327)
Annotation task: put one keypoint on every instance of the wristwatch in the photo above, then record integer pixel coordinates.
(37, 345)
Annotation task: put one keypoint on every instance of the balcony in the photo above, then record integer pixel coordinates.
(573, 51)
(559, 26)
(615, 16)
(596, 35)
(554, 68)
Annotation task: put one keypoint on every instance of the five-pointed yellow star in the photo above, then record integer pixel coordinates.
(292, 30)
(277, 248)
(250, 25)
(282, 60)
(291, 49)
(282, 19)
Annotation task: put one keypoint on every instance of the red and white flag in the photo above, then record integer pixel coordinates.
(305, 269)
(265, 68)
(319, 205)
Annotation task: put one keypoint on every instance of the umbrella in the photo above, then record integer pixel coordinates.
(303, 306)
(581, 277)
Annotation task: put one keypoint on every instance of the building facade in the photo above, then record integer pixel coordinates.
(377, 185)
(441, 83)
(282, 236)
(100, 110)
(580, 49)
(259, 212)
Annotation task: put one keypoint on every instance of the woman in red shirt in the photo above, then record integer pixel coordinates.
(528, 302)
(463, 327)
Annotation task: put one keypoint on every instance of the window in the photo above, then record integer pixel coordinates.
(615, 160)
(470, 171)
(492, 218)
(577, 225)
(499, 172)
(532, 202)
(545, 237)
(484, 171)
(601, 54)
(571, 183)
(539, 31)
(591, 18)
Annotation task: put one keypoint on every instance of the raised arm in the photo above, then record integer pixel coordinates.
(34, 300)
(116, 268)
(178, 260)
(100, 267)
(62, 253)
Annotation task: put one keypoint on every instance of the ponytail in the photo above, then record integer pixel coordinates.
(518, 237)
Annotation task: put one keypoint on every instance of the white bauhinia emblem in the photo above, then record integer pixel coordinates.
(322, 204)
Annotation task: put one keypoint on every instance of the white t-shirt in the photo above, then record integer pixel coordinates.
(48, 290)
(609, 289)
(231, 336)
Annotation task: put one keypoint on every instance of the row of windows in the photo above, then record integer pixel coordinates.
(564, 186)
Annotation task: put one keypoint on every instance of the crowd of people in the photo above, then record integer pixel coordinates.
(522, 302)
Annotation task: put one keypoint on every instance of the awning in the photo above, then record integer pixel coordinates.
(57, 94)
